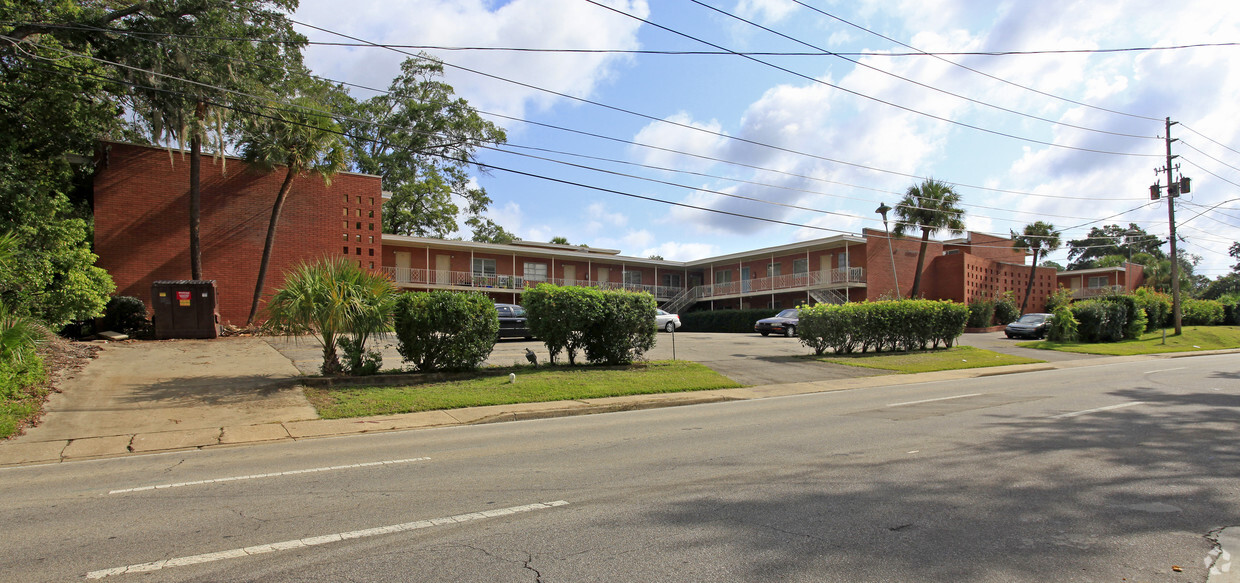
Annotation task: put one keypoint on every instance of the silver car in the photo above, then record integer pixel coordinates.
(665, 321)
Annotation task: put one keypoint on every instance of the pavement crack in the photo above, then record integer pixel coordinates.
(529, 558)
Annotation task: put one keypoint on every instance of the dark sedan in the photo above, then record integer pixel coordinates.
(512, 322)
(1030, 326)
(784, 323)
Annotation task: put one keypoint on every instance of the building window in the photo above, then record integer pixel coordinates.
(1097, 281)
(372, 264)
(346, 211)
(484, 267)
(800, 266)
(535, 272)
(359, 238)
(773, 269)
(358, 212)
(633, 277)
(372, 201)
(359, 252)
(671, 280)
(723, 276)
(372, 213)
(359, 200)
(370, 252)
(372, 226)
(346, 236)
(346, 199)
(359, 226)
(841, 260)
(346, 249)
(372, 239)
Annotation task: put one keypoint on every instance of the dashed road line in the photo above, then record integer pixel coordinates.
(271, 475)
(1099, 409)
(933, 400)
(1165, 370)
(317, 540)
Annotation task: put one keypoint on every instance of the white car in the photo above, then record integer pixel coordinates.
(665, 321)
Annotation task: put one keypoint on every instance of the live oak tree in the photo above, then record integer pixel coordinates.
(421, 139)
(930, 206)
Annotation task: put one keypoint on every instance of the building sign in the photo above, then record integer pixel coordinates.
(183, 298)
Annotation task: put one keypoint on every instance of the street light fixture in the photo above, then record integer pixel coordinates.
(882, 210)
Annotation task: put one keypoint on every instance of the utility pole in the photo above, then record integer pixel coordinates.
(1174, 189)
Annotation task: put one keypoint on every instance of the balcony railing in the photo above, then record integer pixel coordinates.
(1093, 292)
(417, 277)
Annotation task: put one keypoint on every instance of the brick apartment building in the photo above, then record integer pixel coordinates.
(141, 235)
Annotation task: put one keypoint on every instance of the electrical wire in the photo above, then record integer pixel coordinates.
(864, 96)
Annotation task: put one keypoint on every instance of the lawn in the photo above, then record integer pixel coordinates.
(953, 358)
(491, 387)
(1193, 338)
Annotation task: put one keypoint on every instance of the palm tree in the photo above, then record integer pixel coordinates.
(301, 138)
(329, 299)
(1036, 237)
(930, 206)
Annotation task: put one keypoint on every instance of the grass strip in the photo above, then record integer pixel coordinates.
(1194, 338)
(491, 387)
(956, 357)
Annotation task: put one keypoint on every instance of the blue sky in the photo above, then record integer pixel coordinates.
(824, 141)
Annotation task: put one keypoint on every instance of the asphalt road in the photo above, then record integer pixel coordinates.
(1113, 472)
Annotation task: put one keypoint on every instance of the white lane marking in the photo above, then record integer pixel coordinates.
(271, 475)
(1165, 370)
(1088, 411)
(933, 400)
(317, 540)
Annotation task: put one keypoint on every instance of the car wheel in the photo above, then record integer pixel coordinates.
(765, 333)
(790, 331)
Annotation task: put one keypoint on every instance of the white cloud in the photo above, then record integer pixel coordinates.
(767, 11)
(677, 251)
(678, 137)
(520, 23)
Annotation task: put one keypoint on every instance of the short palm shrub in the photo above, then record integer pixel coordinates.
(443, 330)
(333, 299)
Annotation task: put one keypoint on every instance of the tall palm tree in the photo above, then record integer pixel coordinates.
(930, 206)
(301, 138)
(1036, 237)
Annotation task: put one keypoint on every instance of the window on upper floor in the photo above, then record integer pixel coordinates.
(1097, 281)
(723, 276)
(633, 277)
(800, 265)
(536, 271)
(484, 267)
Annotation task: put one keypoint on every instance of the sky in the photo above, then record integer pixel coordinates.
(688, 156)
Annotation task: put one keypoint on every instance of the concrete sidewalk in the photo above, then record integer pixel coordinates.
(256, 406)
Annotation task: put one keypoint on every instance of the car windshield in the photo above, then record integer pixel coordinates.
(787, 314)
(660, 312)
(518, 311)
(1032, 319)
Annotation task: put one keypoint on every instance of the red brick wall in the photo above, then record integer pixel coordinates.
(142, 223)
(879, 278)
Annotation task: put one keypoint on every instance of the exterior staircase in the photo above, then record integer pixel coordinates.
(828, 296)
(682, 300)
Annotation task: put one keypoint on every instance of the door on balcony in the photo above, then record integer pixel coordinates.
(746, 275)
(443, 269)
(603, 272)
(403, 262)
(570, 275)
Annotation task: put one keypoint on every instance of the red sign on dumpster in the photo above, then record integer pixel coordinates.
(183, 298)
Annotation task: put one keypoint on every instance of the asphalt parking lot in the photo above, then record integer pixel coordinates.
(749, 359)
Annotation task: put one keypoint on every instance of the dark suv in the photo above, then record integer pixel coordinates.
(512, 321)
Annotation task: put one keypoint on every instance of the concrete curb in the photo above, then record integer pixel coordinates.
(61, 450)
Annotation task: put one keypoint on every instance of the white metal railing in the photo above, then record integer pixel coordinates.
(417, 276)
(1093, 292)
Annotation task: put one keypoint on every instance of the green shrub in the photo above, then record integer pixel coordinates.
(1100, 320)
(981, 312)
(1201, 312)
(738, 321)
(1063, 326)
(885, 325)
(442, 330)
(608, 326)
(1006, 309)
(1157, 306)
(1060, 298)
(127, 315)
(357, 360)
(1135, 319)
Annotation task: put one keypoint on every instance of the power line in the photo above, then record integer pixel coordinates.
(869, 97)
(1195, 149)
(1209, 138)
(919, 83)
(967, 68)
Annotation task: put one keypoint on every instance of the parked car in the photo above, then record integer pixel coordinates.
(1029, 326)
(784, 323)
(665, 321)
(512, 322)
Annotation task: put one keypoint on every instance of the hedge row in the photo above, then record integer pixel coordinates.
(1124, 317)
(608, 326)
(724, 320)
(442, 330)
(885, 325)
